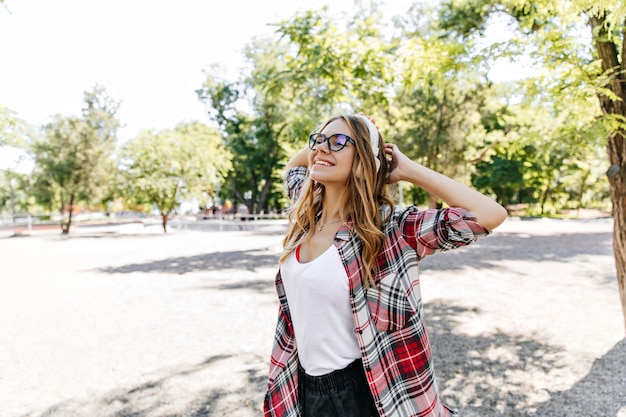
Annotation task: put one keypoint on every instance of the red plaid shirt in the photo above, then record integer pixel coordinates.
(388, 318)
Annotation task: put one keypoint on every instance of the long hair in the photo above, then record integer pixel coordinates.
(366, 192)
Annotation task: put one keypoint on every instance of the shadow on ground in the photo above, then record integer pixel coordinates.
(503, 246)
(489, 375)
(603, 390)
(189, 392)
(487, 253)
(249, 260)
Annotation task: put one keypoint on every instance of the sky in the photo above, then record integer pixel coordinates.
(148, 54)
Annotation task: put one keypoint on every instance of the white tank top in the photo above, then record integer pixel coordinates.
(318, 294)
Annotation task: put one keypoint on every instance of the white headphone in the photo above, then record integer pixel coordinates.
(373, 137)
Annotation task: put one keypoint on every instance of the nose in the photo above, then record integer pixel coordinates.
(324, 147)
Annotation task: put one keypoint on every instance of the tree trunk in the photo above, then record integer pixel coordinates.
(264, 191)
(9, 181)
(65, 227)
(164, 222)
(544, 199)
(581, 193)
(618, 196)
(612, 64)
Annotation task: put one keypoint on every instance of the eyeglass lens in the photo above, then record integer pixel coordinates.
(335, 142)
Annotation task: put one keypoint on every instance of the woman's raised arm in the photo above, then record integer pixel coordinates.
(488, 213)
(300, 159)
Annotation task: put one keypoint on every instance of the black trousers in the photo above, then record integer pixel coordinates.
(342, 393)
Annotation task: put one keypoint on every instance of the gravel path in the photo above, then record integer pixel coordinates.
(526, 322)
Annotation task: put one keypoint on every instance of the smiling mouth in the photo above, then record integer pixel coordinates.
(323, 163)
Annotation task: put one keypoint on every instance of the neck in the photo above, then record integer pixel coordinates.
(333, 198)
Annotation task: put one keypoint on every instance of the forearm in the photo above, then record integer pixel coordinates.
(300, 159)
(488, 213)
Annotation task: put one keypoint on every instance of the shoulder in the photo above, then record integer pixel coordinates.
(408, 213)
(395, 217)
(398, 213)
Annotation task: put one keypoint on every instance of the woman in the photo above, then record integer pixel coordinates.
(350, 340)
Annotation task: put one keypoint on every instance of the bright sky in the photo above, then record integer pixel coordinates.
(148, 54)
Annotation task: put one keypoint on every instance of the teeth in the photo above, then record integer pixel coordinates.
(323, 163)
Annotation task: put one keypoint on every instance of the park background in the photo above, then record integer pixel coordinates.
(501, 96)
(514, 98)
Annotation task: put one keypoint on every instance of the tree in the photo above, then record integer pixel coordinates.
(293, 83)
(502, 175)
(253, 140)
(581, 66)
(14, 140)
(440, 97)
(74, 157)
(13, 130)
(258, 135)
(164, 167)
(329, 68)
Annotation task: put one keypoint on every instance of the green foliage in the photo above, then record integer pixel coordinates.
(440, 98)
(501, 175)
(13, 131)
(259, 136)
(612, 10)
(331, 68)
(427, 85)
(14, 196)
(161, 168)
(465, 17)
(557, 128)
(316, 68)
(252, 139)
(15, 138)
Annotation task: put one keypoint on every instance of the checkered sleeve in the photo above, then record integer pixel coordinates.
(431, 231)
(294, 179)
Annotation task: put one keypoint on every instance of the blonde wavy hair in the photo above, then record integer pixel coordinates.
(366, 192)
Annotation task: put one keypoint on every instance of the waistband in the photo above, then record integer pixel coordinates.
(335, 379)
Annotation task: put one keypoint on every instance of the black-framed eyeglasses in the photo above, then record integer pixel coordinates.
(335, 142)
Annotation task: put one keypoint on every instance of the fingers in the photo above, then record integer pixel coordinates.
(389, 149)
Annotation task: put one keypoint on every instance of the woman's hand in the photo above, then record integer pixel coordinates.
(397, 162)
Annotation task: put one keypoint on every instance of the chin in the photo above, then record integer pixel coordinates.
(319, 178)
(329, 175)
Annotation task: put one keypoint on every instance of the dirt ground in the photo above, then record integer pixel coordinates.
(526, 322)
